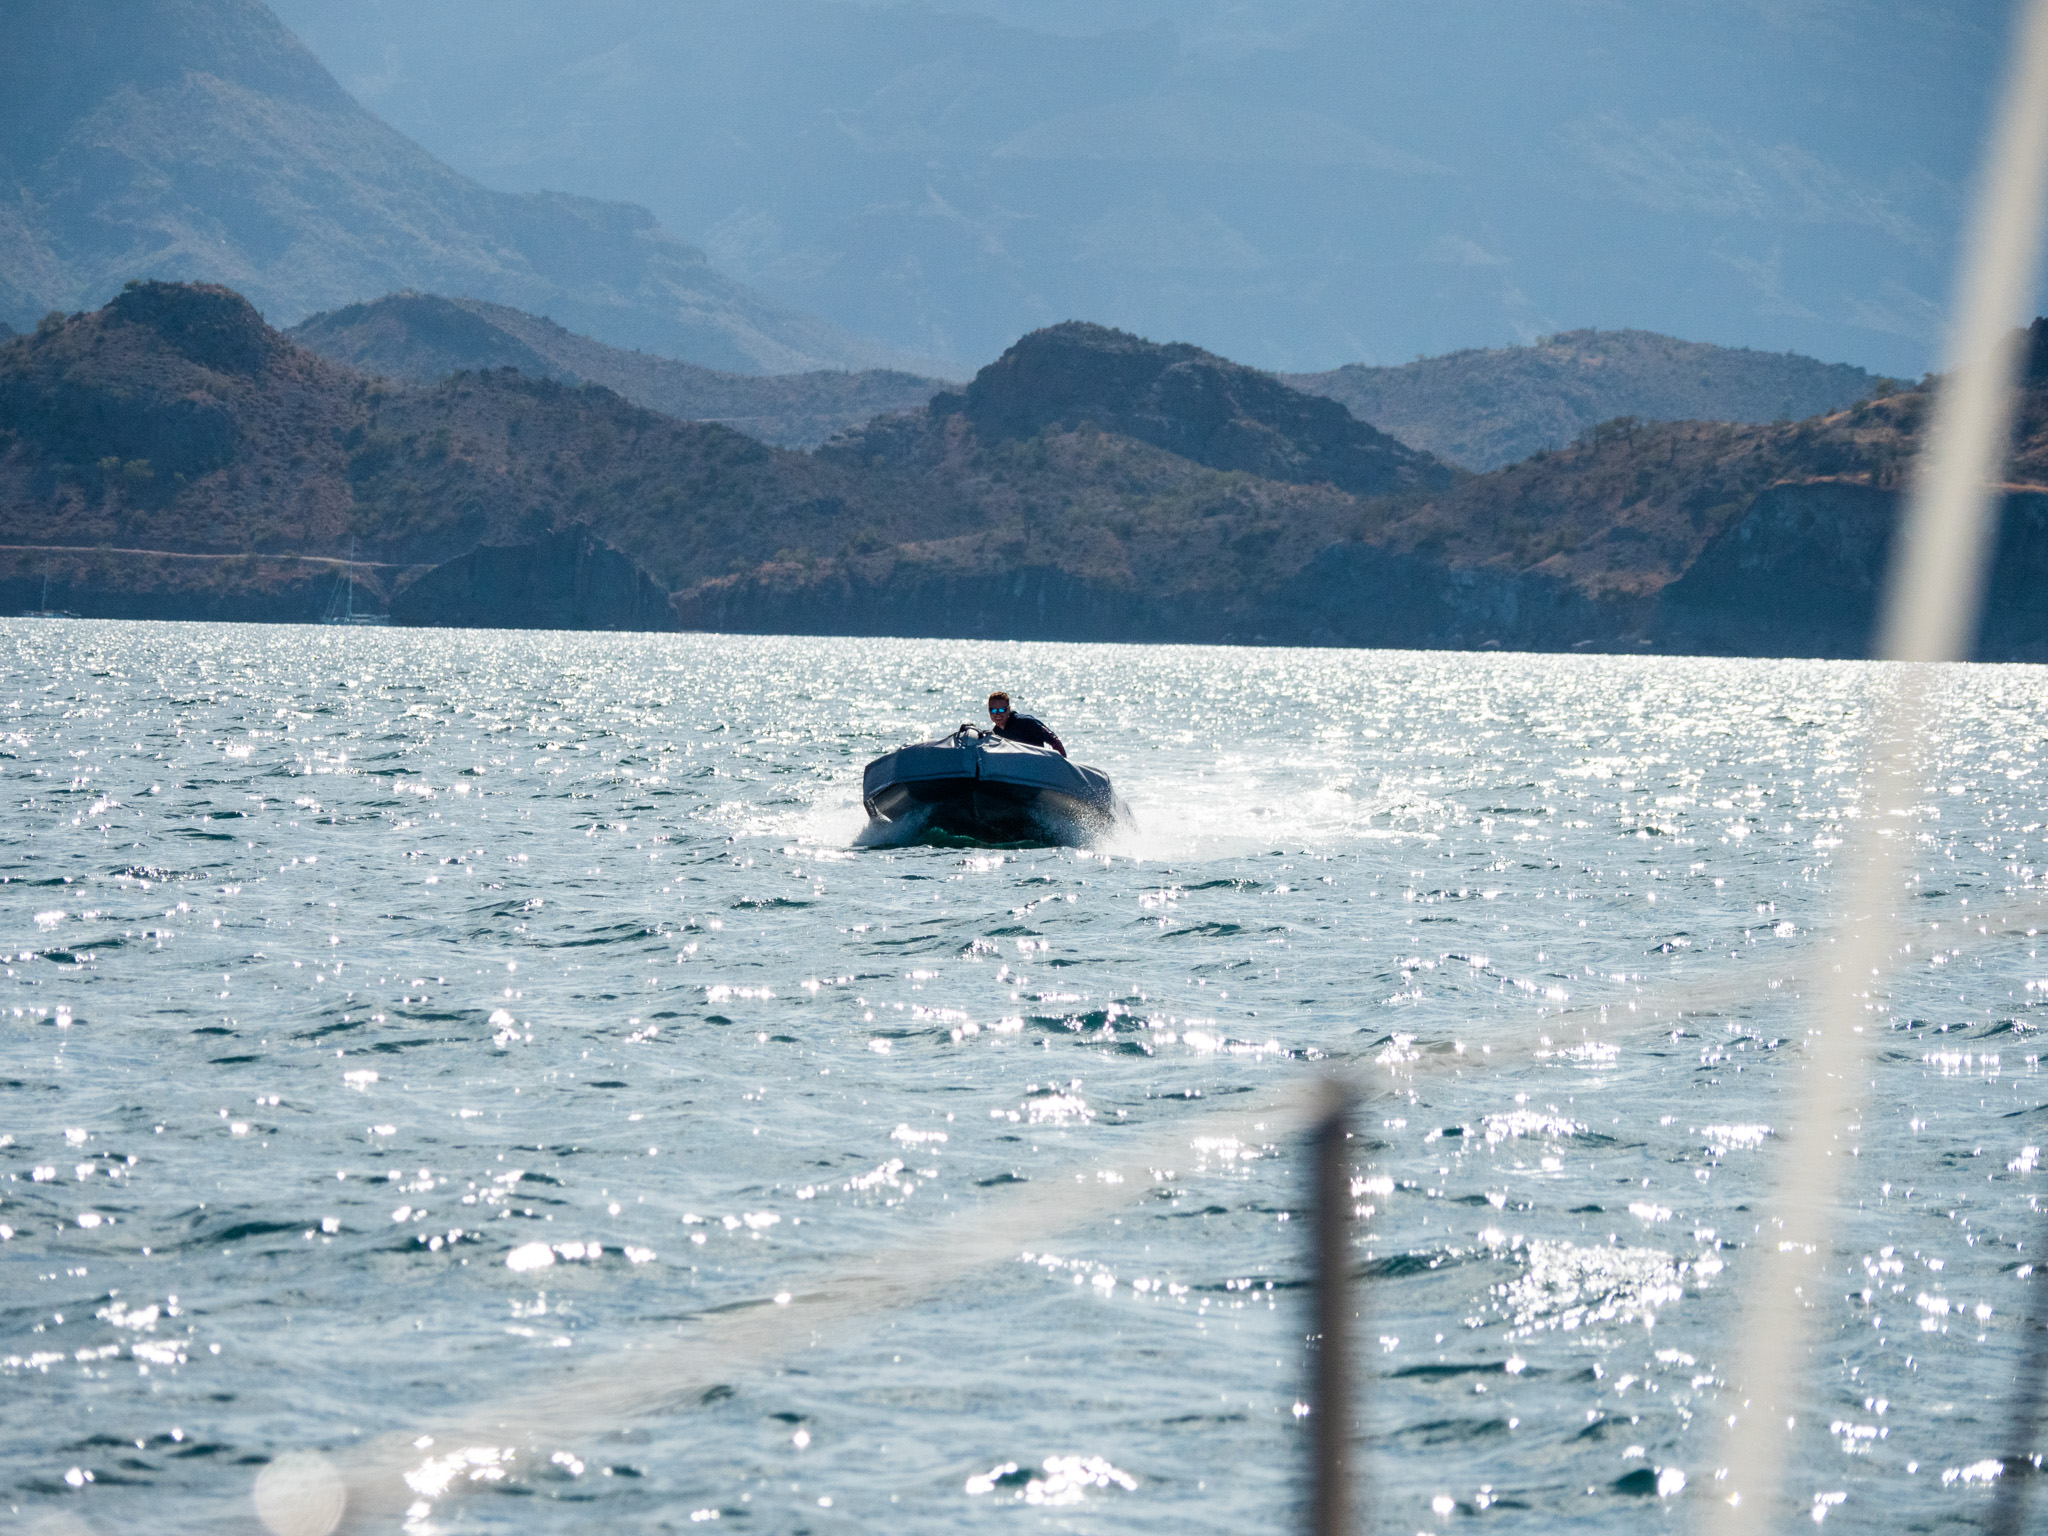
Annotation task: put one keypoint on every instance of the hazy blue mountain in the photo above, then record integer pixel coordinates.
(1487, 407)
(198, 139)
(1297, 184)
(423, 337)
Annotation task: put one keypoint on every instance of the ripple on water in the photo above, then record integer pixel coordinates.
(461, 1020)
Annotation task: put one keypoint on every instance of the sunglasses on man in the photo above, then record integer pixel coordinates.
(998, 710)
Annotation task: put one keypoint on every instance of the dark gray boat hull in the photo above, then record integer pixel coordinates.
(976, 786)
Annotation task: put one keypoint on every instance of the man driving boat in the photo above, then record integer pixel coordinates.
(1012, 726)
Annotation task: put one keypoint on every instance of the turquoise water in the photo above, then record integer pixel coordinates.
(477, 1077)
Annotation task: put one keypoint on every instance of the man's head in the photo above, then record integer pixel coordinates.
(999, 708)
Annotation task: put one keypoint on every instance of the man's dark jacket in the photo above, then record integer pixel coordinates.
(1032, 733)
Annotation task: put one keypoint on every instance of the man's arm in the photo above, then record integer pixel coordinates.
(1044, 735)
(1033, 732)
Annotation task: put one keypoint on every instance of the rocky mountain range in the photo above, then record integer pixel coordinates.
(170, 454)
(1479, 409)
(175, 423)
(198, 139)
(422, 337)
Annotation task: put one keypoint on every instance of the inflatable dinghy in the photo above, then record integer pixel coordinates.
(978, 785)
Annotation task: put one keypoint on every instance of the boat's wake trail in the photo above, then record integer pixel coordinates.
(905, 832)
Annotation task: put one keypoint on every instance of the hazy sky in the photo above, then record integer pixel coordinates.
(1295, 185)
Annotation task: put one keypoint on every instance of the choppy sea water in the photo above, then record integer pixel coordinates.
(479, 1075)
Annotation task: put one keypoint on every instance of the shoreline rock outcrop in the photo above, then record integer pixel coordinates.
(1806, 567)
(565, 580)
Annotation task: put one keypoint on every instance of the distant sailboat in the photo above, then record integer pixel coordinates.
(341, 607)
(46, 611)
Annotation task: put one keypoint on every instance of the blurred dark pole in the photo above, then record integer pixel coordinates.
(1330, 1396)
(2023, 1416)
